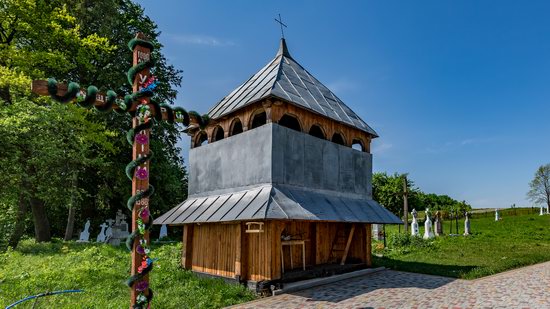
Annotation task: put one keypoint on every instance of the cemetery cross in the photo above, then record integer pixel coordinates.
(145, 111)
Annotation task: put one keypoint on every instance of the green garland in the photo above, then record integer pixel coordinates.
(138, 68)
(139, 42)
(72, 91)
(125, 105)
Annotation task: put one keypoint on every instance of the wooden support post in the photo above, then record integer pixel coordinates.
(276, 229)
(238, 253)
(313, 243)
(244, 253)
(187, 254)
(348, 244)
(368, 247)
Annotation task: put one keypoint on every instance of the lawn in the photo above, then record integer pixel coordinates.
(515, 241)
(101, 270)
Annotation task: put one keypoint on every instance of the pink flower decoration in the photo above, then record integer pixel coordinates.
(142, 286)
(142, 174)
(140, 249)
(142, 139)
(145, 213)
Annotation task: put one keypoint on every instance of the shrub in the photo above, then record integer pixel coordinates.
(406, 240)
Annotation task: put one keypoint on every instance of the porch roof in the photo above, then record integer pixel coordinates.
(278, 202)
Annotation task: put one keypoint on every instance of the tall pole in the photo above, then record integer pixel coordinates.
(138, 171)
(140, 54)
(405, 204)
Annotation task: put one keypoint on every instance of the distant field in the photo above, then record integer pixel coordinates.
(521, 238)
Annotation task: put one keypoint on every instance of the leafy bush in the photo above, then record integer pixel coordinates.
(406, 240)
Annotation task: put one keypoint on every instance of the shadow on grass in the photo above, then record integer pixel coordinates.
(58, 246)
(453, 271)
(347, 289)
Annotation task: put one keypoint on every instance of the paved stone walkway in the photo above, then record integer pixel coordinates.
(527, 287)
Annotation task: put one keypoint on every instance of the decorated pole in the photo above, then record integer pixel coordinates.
(145, 111)
(143, 84)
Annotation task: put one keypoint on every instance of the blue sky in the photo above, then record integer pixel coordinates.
(457, 90)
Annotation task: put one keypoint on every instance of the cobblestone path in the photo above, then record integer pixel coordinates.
(527, 287)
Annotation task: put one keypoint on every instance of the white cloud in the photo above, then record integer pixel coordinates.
(341, 85)
(381, 148)
(199, 39)
(451, 145)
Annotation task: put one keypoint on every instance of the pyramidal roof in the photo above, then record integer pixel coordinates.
(286, 79)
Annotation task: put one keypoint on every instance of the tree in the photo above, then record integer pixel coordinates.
(59, 158)
(539, 192)
(388, 191)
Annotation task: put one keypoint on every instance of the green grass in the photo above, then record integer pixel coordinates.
(101, 270)
(493, 247)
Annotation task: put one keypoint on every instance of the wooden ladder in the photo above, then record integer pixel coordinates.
(341, 244)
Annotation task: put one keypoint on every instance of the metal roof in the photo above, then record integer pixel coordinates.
(278, 202)
(286, 79)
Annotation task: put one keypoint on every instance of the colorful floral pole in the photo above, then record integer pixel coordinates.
(142, 264)
(145, 112)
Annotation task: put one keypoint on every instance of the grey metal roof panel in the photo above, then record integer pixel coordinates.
(286, 79)
(278, 202)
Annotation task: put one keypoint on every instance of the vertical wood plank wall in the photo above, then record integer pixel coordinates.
(298, 230)
(227, 250)
(215, 248)
(264, 252)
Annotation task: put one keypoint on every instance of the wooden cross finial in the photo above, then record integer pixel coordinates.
(280, 21)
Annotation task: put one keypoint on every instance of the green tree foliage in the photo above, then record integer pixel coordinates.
(388, 191)
(56, 156)
(539, 187)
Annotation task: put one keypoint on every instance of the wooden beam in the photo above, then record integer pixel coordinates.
(276, 227)
(368, 245)
(243, 252)
(348, 244)
(40, 87)
(239, 252)
(313, 243)
(187, 252)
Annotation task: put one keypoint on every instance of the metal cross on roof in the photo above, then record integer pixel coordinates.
(280, 21)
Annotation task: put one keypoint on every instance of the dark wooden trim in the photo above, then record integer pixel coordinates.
(313, 243)
(368, 247)
(187, 251)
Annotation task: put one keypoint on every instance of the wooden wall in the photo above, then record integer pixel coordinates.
(214, 249)
(325, 237)
(227, 250)
(264, 252)
(299, 229)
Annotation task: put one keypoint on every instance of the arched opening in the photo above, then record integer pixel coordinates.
(357, 145)
(316, 131)
(338, 139)
(258, 119)
(236, 127)
(201, 139)
(218, 134)
(290, 122)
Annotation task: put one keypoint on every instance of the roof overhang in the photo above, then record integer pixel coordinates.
(278, 202)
